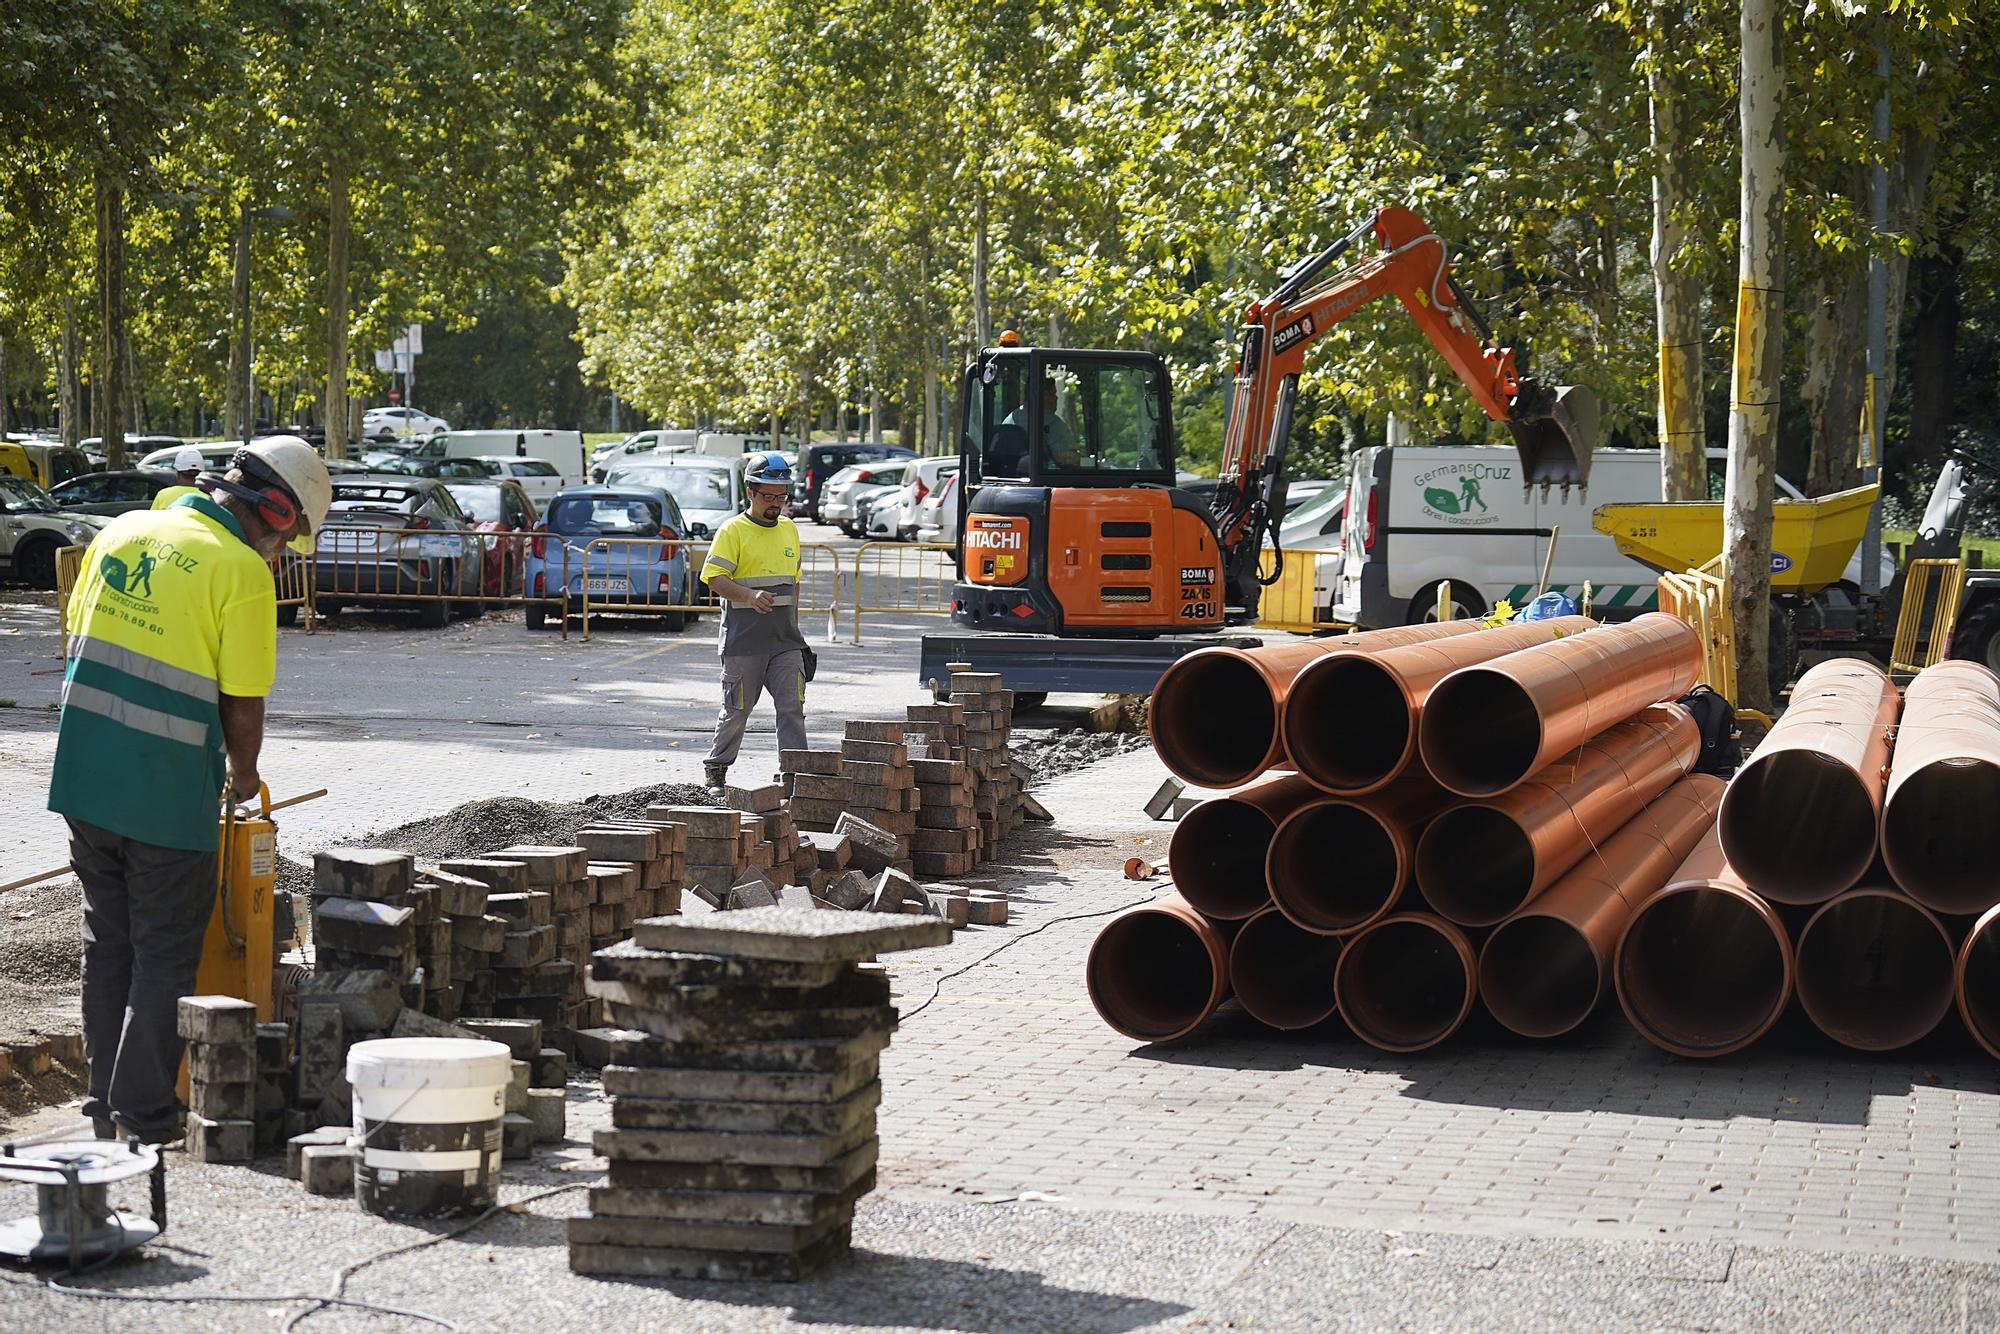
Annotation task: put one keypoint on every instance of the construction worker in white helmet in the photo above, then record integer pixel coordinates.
(173, 647)
(187, 469)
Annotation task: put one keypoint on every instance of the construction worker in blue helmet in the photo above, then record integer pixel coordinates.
(753, 567)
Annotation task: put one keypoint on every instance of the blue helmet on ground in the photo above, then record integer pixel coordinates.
(767, 468)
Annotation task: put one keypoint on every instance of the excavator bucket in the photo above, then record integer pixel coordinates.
(1555, 430)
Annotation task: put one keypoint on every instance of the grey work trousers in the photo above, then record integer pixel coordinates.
(145, 913)
(743, 680)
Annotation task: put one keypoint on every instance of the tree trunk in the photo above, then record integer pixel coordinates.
(3, 387)
(982, 315)
(70, 428)
(338, 235)
(1836, 371)
(1760, 334)
(1909, 181)
(1933, 360)
(236, 394)
(1676, 290)
(108, 390)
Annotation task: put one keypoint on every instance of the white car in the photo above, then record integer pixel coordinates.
(33, 529)
(837, 501)
(401, 423)
(640, 444)
(937, 514)
(895, 516)
(709, 490)
(215, 455)
(538, 477)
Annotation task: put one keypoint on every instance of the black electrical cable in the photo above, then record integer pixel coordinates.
(1013, 941)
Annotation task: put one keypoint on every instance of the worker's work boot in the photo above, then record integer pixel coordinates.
(717, 777)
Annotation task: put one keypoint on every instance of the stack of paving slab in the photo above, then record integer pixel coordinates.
(989, 720)
(716, 854)
(744, 1084)
(480, 919)
(221, 1033)
(539, 972)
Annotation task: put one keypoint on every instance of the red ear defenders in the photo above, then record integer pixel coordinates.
(274, 505)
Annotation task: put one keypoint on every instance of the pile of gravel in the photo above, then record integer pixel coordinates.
(1066, 750)
(480, 827)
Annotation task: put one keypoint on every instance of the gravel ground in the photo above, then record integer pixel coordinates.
(1066, 750)
(41, 947)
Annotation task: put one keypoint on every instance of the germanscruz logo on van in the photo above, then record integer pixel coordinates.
(1454, 492)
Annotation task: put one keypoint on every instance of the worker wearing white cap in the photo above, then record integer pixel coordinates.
(187, 469)
(172, 649)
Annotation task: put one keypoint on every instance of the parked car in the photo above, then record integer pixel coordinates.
(136, 446)
(406, 423)
(445, 470)
(895, 516)
(363, 555)
(638, 444)
(215, 455)
(837, 499)
(538, 477)
(708, 490)
(501, 510)
(620, 575)
(113, 493)
(33, 528)
(1300, 490)
(937, 515)
(823, 461)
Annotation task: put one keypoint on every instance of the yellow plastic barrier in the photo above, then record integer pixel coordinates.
(1298, 600)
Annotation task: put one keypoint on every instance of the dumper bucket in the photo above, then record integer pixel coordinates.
(1555, 430)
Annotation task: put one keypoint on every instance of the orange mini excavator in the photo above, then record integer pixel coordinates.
(1082, 567)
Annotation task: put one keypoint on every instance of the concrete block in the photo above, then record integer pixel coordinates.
(520, 1078)
(620, 845)
(1037, 812)
(987, 911)
(769, 797)
(517, 1136)
(701, 821)
(361, 926)
(368, 999)
(455, 895)
(550, 1068)
(417, 1024)
(234, 1101)
(322, 1046)
(823, 762)
(793, 934)
(274, 1048)
(891, 753)
(871, 849)
(222, 1062)
(328, 1169)
(548, 864)
(498, 874)
(891, 776)
(221, 1141)
(522, 1037)
(217, 1019)
(380, 875)
(480, 935)
(548, 1109)
(532, 908)
(525, 949)
(754, 890)
(296, 1145)
(874, 731)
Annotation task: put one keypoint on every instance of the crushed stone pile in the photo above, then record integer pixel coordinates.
(1066, 750)
(482, 826)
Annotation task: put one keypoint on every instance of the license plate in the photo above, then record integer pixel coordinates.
(607, 586)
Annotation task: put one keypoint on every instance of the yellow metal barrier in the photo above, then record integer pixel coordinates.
(819, 581)
(1299, 599)
(1910, 617)
(69, 564)
(905, 578)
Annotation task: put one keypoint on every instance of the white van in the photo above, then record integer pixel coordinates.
(562, 448)
(1419, 516)
(729, 444)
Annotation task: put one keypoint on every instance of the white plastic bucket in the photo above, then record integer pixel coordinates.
(427, 1117)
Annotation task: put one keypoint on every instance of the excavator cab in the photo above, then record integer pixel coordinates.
(1069, 522)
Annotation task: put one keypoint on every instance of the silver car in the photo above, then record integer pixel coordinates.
(387, 538)
(708, 488)
(839, 501)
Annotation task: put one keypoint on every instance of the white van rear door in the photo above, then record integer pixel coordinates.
(1458, 514)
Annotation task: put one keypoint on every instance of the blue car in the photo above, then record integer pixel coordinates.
(618, 537)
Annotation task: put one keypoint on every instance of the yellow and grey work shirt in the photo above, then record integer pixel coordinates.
(172, 610)
(760, 556)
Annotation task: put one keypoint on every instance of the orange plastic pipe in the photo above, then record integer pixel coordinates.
(1350, 721)
(1976, 981)
(1800, 821)
(1481, 860)
(1338, 863)
(1407, 982)
(1940, 837)
(1217, 714)
(1543, 970)
(1704, 966)
(1875, 969)
(1217, 853)
(1487, 727)
(1283, 975)
(1159, 971)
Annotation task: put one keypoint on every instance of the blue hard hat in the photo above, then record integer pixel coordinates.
(767, 468)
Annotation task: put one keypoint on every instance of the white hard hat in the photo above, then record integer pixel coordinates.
(299, 467)
(188, 459)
